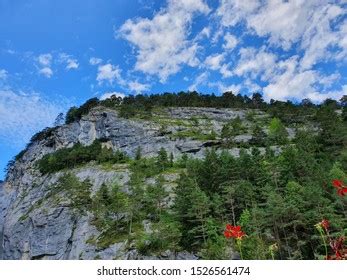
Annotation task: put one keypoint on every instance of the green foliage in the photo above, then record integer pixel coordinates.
(139, 107)
(196, 134)
(110, 205)
(146, 168)
(75, 114)
(138, 154)
(165, 235)
(215, 247)
(258, 136)
(278, 134)
(42, 135)
(192, 209)
(78, 192)
(155, 197)
(344, 113)
(277, 199)
(333, 131)
(233, 128)
(111, 102)
(162, 159)
(79, 155)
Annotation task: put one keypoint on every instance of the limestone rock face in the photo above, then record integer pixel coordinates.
(36, 225)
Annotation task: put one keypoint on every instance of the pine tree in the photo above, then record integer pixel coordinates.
(138, 154)
(162, 159)
(197, 214)
(156, 195)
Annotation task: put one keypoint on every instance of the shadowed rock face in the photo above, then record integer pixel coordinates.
(36, 226)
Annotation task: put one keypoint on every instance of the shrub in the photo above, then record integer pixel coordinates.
(79, 192)
(75, 114)
(79, 155)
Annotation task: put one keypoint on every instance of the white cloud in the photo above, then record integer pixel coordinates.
(71, 63)
(138, 87)
(251, 86)
(3, 74)
(318, 36)
(329, 80)
(342, 41)
(110, 94)
(313, 30)
(45, 61)
(284, 23)
(110, 73)
(204, 33)
(214, 61)
(289, 82)
(46, 71)
(320, 97)
(225, 71)
(22, 114)
(199, 80)
(233, 11)
(162, 43)
(256, 63)
(95, 60)
(216, 35)
(230, 41)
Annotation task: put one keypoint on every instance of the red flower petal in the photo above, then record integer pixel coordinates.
(341, 192)
(229, 227)
(337, 183)
(227, 234)
(325, 224)
(237, 228)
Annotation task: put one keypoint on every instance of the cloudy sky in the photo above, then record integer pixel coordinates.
(54, 54)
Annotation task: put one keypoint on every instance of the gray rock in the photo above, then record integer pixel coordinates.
(244, 138)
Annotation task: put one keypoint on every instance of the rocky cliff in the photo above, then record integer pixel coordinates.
(37, 225)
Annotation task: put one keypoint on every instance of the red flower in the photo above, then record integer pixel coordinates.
(337, 183)
(325, 224)
(337, 246)
(341, 189)
(233, 232)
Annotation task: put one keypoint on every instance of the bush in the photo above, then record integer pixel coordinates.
(42, 135)
(75, 114)
(79, 192)
(79, 155)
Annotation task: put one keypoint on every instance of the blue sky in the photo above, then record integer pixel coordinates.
(55, 54)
